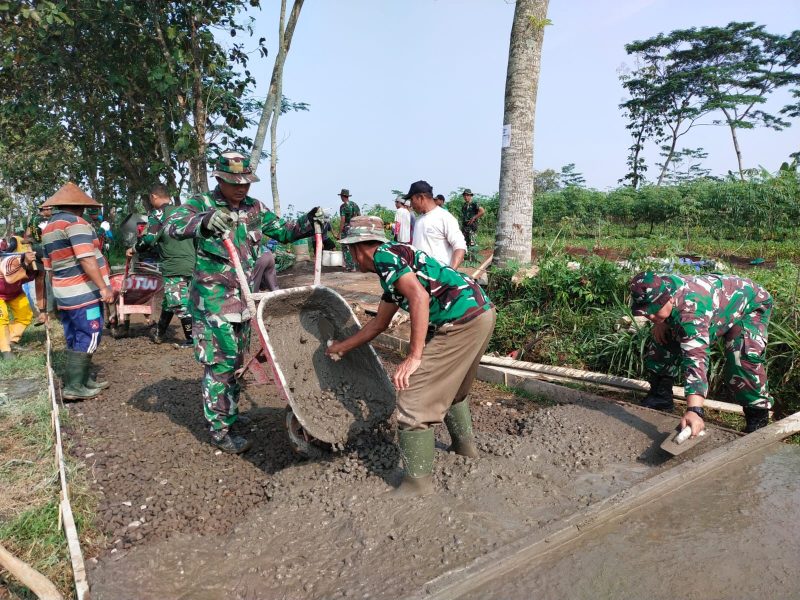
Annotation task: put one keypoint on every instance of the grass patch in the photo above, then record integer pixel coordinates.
(29, 482)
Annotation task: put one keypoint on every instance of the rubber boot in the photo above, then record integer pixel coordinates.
(232, 444)
(416, 448)
(91, 382)
(186, 325)
(161, 328)
(76, 370)
(755, 418)
(459, 423)
(5, 340)
(660, 395)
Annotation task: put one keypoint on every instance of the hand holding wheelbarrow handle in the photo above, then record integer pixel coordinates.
(244, 285)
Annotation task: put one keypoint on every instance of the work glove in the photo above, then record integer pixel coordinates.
(218, 222)
(316, 214)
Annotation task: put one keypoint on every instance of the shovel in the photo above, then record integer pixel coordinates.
(681, 441)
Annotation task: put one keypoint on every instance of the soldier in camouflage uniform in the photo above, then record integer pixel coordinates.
(347, 211)
(689, 313)
(176, 262)
(470, 213)
(452, 320)
(220, 318)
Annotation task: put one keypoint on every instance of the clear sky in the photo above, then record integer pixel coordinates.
(401, 90)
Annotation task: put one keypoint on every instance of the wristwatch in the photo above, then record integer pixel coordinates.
(698, 410)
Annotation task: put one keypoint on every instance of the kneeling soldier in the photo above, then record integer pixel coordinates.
(689, 312)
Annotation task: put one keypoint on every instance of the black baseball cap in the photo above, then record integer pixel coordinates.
(419, 187)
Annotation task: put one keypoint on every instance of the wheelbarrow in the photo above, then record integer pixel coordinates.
(134, 294)
(328, 402)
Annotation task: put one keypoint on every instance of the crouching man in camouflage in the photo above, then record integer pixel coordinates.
(689, 313)
(433, 382)
(220, 319)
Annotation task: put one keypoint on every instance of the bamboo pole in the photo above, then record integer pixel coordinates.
(65, 508)
(29, 577)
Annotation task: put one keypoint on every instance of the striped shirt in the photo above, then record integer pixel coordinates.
(66, 239)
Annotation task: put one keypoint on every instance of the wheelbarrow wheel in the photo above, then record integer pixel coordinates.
(300, 441)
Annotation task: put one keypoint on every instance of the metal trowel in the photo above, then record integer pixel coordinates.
(680, 441)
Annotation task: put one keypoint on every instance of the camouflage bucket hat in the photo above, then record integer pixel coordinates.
(365, 229)
(649, 292)
(234, 167)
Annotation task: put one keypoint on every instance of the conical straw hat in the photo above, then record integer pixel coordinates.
(70, 195)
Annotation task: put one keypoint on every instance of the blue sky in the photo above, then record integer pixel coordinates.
(401, 90)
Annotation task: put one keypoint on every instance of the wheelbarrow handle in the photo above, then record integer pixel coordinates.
(317, 252)
(244, 285)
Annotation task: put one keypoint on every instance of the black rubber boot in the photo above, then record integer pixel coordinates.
(232, 444)
(76, 369)
(161, 328)
(459, 424)
(660, 395)
(186, 325)
(756, 418)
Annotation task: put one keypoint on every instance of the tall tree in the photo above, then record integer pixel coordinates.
(274, 104)
(515, 213)
(666, 97)
(741, 64)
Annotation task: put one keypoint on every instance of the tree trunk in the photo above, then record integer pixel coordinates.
(276, 113)
(671, 153)
(198, 163)
(277, 73)
(736, 146)
(515, 214)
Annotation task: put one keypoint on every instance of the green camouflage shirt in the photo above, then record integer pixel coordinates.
(176, 257)
(348, 210)
(468, 211)
(706, 307)
(215, 288)
(454, 297)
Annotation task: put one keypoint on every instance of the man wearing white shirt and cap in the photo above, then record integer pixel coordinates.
(436, 231)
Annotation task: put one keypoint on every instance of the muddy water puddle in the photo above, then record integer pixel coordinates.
(735, 534)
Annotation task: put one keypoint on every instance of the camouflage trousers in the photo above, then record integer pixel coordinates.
(349, 263)
(176, 295)
(220, 347)
(470, 234)
(745, 370)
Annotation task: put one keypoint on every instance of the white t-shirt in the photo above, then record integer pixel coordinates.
(437, 233)
(402, 224)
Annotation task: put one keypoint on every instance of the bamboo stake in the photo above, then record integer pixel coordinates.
(65, 508)
(29, 577)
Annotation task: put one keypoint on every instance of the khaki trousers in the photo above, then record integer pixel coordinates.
(449, 365)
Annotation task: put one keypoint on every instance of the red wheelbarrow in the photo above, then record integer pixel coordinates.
(328, 402)
(135, 291)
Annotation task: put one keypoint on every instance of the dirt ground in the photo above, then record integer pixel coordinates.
(185, 521)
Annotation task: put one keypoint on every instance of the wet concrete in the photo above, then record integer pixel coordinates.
(735, 534)
(334, 400)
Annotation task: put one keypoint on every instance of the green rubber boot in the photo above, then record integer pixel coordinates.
(91, 382)
(76, 370)
(416, 448)
(459, 423)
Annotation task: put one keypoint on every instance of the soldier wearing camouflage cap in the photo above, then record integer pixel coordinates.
(452, 320)
(689, 313)
(220, 319)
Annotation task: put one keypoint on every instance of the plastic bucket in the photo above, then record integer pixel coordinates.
(332, 258)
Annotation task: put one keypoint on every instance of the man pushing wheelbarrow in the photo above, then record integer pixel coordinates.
(220, 317)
